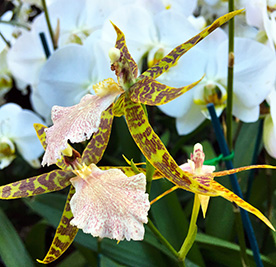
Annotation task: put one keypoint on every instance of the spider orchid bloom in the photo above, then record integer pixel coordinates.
(195, 166)
(77, 123)
(204, 175)
(107, 202)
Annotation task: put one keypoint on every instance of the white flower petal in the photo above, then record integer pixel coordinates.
(110, 204)
(269, 136)
(190, 121)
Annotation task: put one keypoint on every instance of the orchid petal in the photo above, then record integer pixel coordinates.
(156, 153)
(121, 45)
(110, 204)
(269, 136)
(150, 92)
(227, 194)
(40, 131)
(75, 123)
(96, 147)
(41, 184)
(171, 59)
(64, 235)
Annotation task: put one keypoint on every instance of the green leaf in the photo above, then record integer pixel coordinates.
(12, 250)
(226, 253)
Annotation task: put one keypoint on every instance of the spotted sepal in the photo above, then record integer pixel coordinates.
(118, 107)
(170, 60)
(64, 235)
(156, 153)
(99, 141)
(121, 45)
(240, 169)
(128, 171)
(151, 92)
(40, 131)
(41, 184)
(227, 194)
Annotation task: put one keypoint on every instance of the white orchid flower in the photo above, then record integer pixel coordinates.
(17, 134)
(254, 76)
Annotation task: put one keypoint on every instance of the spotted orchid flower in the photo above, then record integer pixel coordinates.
(104, 202)
(205, 175)
(133, 91)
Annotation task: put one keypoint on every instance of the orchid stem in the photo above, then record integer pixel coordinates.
(161, 238)
(190, 239)
(44, 44)
(49, 23)
(5, 40)
(230, 77)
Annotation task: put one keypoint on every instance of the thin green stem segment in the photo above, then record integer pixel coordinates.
(230, 77)
(190, 239)
(49, 23)
(161, 238)
(5, 40)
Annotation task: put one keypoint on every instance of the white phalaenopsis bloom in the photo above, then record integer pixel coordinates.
(73, 20)
(254, 77)
(17, 134)
(149, 35)
(73, 69)
(262, 14)
(269, 135)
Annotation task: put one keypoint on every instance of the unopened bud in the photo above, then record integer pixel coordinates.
(114, 54)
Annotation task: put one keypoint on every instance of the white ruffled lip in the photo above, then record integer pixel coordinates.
(110, 204)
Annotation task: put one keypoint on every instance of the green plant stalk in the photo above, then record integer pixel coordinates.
(190, 239)
(5, 40)
(49, 23)
(149, 168)
(230, 77)
(15, 23)
(161, 238)
(229, 109)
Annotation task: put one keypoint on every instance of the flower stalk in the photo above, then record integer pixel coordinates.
(190, 239)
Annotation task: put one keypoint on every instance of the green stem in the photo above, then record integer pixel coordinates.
(49, 23)
(149, 168)
(15, 23)
(230, 77)
(161, 238)
(5, 40)
(189, 240)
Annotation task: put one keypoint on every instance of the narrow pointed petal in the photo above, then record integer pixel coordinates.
(171, 59)
(151, 92)
(156, 153)
(40, 131)
(64, 235)
(227, 194)
(204, 202)
(121, 45)
(118, 108)
(110, 204)
(128, 171)
(41, 184)
(97, 145)
(228, 172)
